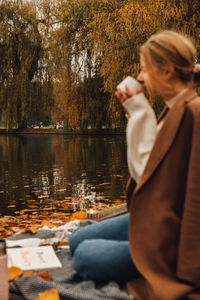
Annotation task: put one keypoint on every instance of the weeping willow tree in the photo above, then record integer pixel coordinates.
(96, 43)
(25, 86)
(78, 86)
(119, 28)
(79, 50)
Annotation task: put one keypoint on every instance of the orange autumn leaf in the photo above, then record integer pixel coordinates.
(45, 275)
(14, 273)
(79, 215)
(48, 295)
(63, 243)
(33, 229)
(47, 223)
(28, 273)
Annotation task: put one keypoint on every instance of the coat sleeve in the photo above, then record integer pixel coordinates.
(130, 187)
(188, 267)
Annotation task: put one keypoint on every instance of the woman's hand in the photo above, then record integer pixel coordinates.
(123, 96)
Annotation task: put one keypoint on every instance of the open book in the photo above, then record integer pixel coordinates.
(33, 258)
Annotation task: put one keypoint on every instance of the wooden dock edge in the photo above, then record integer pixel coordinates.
(111, 212)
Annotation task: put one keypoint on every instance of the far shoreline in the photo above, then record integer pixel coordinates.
(38, 131)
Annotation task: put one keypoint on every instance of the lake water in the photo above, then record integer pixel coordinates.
(61, 172)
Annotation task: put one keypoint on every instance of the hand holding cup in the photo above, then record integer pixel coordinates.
(127, 89)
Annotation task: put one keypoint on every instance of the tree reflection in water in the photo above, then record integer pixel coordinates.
(61, 173)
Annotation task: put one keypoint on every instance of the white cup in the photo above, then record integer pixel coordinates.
(132, 83)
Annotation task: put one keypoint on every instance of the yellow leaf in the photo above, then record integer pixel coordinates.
(48, 295)
(14, 273)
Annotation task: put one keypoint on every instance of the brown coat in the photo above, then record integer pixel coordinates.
(164, 229)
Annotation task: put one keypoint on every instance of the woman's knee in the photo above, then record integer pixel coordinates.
(81, 260)
(112, 229)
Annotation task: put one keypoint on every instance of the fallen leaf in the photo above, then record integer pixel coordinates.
(79, 215)
(63, 243)
(32, 229)
(47, 223)
(28, 273)
(43, 196)
(14, 273)
(105, 183)
(48, 295)
(45, 275)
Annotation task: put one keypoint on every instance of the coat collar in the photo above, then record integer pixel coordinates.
(165, 136)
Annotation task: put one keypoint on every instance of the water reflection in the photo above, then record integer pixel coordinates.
(61, 173)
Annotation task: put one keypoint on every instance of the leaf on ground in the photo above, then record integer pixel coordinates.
(14, 273)
(48, 295)
(79, 215)
(28, 273)
(63, 243)
(33, 229)
(47, 223)
(45, 275)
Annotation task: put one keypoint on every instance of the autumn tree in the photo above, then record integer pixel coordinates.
(95, 44)
(25, 85)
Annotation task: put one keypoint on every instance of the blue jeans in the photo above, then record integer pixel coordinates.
(101, 251)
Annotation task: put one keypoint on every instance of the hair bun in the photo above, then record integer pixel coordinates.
(196, 72)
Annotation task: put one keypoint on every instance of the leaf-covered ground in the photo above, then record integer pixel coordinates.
(51, 214)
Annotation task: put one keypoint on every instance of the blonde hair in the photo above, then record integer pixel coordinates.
(170, 48)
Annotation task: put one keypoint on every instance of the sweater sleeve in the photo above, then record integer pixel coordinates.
(140, 133)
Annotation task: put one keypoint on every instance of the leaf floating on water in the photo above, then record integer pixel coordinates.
(61, 190)
(43, 196)
(48, 295)
(105, 183)
(14, 273)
